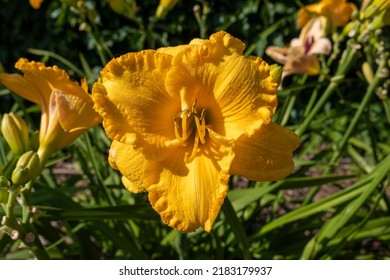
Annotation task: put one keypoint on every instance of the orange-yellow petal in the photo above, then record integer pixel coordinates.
(338, 12)
(188, 196)
(133, 101)
(237, 93)
(21, 86)
(75, 112)
(267, 155)
(131, 163)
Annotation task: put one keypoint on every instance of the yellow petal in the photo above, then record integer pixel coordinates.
(133, 101)
(188, 196)
(38, 81)
(75, 112)
(130, 163)
(22, 87)
(267, 155)
(237, 93)
(336, 11)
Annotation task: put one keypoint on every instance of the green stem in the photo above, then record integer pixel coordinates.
(236, 227)
(346, 63)
(378, 78)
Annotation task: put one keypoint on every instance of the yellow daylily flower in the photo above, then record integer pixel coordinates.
(301, 56)
(183, 119)
(67, 108)
(337, 12)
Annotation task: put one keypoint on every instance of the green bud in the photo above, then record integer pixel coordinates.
(16, 133)
(381, 20)
(377, 6)
(34, 141)
(20, 176)
(3, 195)
(4, 182)
(276, 72)
(30, 160)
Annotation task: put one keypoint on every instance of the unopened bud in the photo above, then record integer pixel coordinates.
(20, 176)
(276, 72)
(15, 132)
(30, 160)
(380, 20)
(367, 72)
(34, 141)
(3, 195)
(4, 182)
(164, 7)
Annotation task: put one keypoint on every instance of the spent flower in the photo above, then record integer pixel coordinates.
(300, 57)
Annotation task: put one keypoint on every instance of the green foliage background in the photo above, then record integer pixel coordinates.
(335, 205)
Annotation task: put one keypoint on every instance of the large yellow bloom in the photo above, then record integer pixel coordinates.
(67, 108)
(338, 12)
(182, 119)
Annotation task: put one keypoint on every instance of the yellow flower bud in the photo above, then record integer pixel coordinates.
(164, 7)
(367, 72)
(276, 72)
(30, 160)
(16, 133)
(377, 6)
(381, 20)
(20, 176)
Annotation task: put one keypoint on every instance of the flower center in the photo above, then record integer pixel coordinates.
(187, 123)
(308, 44)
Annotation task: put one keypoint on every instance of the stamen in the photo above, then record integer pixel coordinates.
(186, 132)
(199, 129)
(194, 150)
(203, 122)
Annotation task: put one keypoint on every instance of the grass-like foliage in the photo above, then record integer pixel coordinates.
(336, 203)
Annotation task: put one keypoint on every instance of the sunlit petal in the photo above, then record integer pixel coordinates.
(196, 191)
(132, 98)
(267, 155)
(75, 112)
(237, 93)
(130, 163)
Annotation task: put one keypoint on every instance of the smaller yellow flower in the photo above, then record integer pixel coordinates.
(67, 108)
(337, 12)
(301, 56)
(164, 7)
(36, 4)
